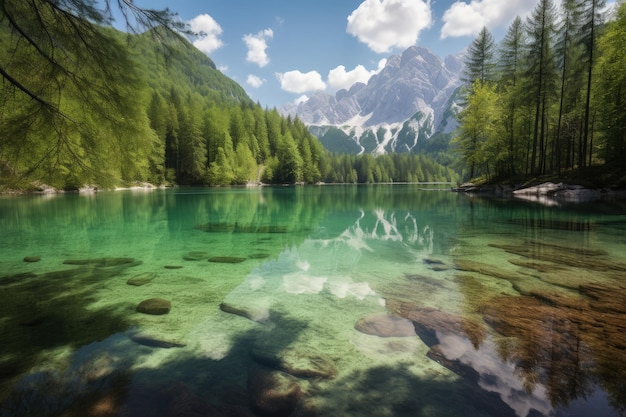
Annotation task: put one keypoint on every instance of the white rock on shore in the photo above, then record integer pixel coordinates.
(560, 191)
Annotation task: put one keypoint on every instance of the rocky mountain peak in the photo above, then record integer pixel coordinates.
(415, 85)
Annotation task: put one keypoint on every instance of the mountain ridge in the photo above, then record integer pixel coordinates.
(407, 101)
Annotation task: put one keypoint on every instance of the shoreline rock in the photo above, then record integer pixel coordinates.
(547, 193)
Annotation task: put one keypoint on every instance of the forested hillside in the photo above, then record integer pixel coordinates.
(109, 108)
(550, 98)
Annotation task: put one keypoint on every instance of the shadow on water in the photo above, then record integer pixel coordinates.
(395, 391)
(98, 383)
(257, 377)
(557, 348)
(51, 310)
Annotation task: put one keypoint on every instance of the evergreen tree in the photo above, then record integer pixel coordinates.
(566, 55)
(289, 168)
(511, 64)
(610, 83)
(542, 76)
(479, 138)
(591, 20)
(479, 62)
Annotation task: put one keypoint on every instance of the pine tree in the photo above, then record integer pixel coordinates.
(592, 19)
(565, 52)
(542, 75)
(511, 64)
(479, 63)
(610, 83)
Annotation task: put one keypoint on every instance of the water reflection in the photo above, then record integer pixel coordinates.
(517, 310)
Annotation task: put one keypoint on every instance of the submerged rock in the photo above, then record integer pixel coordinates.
(195, 256)
(141, 279)
(154, 306)
(154, 341)
(429, 321)
(227, 259)
(384, 325)
(32, 258)
(610, 299)
(255, 314)
(485, 269)
(173, 266)
(299, 361)
(101, 262)
(273, 394)
(437, 264)
(562, 341)
(240, 228)
(572, 257)
(259, 255)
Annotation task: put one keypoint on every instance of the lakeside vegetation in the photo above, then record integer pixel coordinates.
(549, 100)
(84, 104)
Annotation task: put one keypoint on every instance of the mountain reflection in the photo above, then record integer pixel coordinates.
(506, 309)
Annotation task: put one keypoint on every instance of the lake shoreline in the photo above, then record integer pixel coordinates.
(546, 192)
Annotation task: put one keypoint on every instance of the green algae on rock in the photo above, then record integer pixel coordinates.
(154, 306)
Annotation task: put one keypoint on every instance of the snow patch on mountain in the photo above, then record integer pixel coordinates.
(407, 101)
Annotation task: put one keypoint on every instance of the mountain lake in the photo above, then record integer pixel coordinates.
(336, 300)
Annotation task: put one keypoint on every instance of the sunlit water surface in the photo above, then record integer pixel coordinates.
(401, 300)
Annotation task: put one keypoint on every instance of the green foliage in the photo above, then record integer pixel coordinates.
(610, 97)
(536, 117)
(150, 107)
(480, 64)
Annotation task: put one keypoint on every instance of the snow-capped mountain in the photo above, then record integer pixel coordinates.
(407, 101)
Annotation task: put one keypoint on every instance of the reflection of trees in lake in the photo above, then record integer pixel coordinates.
(560, 319)
(567, 345)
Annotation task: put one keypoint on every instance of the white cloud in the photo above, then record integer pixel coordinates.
(209, 30)
(257, 44)
(467, 19)
(385, 24)
(298, 82)
(223, 68)
(339, 78)
(254, 81)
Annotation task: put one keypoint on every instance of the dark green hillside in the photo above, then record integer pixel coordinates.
(184, 65)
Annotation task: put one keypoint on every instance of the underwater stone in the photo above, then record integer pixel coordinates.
(429, 321)
(259, 255)
(100, 261)
(273, 393)
(154, 341)
(485, 269)
(32, 258)
(384, 325)
(588, 259)
(240, 228)
(141, 279)
(154, 306)
(227, 259)
(610, 299)
(299, 361)
(195, 256)
(249, 313)
(172, 266)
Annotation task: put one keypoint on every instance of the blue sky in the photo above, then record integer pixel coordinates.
(282, 51)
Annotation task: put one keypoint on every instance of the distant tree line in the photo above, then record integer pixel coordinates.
(550, 97)
(83, 104)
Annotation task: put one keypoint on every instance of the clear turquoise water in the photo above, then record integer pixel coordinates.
(518, 308)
